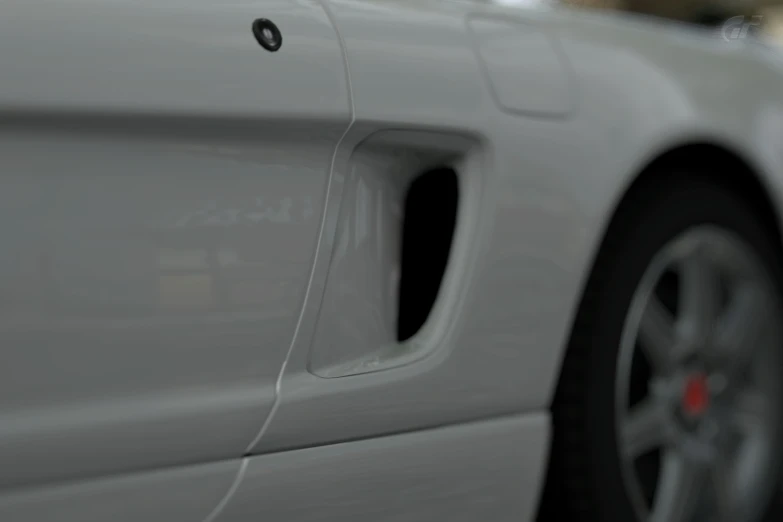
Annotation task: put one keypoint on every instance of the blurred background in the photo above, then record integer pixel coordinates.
(766, 15)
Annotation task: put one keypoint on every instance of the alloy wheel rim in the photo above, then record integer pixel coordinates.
(710, 412)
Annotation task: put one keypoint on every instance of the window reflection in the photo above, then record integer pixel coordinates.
(218, 260)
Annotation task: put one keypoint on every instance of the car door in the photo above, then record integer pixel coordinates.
(163, 176)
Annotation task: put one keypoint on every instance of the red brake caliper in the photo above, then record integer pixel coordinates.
(696, 397)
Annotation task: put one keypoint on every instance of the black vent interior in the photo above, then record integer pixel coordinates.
(427, 234)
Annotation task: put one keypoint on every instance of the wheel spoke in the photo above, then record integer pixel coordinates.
(657, 335)
(742, 325)
(699, 300)
(644, 429)
(723, 491)
(752, 411)
(679, 490)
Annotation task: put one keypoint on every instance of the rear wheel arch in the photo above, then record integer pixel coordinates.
(722, 165)
(701, 160)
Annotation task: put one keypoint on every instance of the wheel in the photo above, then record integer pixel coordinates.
(670, 398)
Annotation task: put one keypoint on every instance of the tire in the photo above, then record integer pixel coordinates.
(585, 481)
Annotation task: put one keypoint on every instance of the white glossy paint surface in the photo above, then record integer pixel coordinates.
(185, 494)
(536, 82)
(163, 183)
(481, 471)
(174, 236)
(177, 56)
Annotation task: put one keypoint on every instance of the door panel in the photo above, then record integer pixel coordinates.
(163, 182)
(171, 56)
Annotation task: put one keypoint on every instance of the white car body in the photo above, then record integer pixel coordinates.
(143, 142)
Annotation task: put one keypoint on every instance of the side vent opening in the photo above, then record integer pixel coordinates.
(430, 215)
